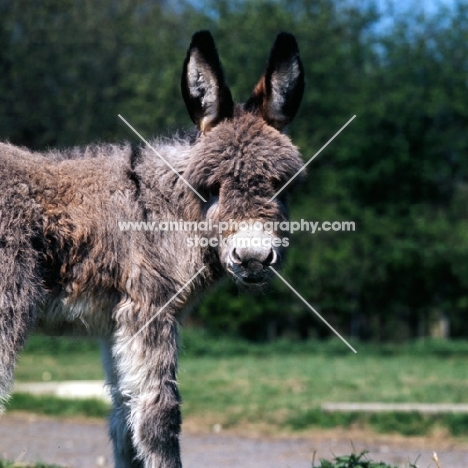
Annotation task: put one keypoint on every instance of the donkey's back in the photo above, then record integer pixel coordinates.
(58, 229)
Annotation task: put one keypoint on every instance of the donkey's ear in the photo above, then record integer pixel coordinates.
(279, 92)
(206, 95)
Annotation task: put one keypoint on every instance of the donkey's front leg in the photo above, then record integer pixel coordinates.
(147, 365)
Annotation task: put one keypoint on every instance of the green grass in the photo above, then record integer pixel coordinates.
(280, 385)
(408, 424)
(6, 464)
(54, 406)
(287, 391)
(354, 460)
(59, 358)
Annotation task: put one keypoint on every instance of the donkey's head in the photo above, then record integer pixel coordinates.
(241, 159)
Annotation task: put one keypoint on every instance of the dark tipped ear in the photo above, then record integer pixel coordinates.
(206, 95)
(279, 92)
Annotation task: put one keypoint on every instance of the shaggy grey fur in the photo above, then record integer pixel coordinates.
(64, 260)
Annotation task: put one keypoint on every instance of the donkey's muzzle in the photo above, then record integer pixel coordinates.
(250, 264)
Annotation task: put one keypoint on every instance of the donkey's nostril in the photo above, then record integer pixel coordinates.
(235, 258)
(245, 256)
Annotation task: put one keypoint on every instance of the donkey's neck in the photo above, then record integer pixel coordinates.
(160, 172)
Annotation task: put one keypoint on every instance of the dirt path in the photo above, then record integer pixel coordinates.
(84, 444)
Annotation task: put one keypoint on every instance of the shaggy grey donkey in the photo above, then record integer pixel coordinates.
(64, 259)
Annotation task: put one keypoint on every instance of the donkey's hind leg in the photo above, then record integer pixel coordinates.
(19, 295)
(120, 432)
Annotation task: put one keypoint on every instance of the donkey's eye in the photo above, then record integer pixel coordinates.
(213, 191)
(278, 185)
(210, 192)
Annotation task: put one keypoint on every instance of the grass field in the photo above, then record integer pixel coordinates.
(278, 387)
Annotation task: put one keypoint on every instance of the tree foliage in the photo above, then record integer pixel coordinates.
(399, 171)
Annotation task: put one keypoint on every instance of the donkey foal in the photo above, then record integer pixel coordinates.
(64, 260)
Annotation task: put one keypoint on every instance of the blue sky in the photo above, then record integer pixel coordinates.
(412, 7)
(391, 9)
